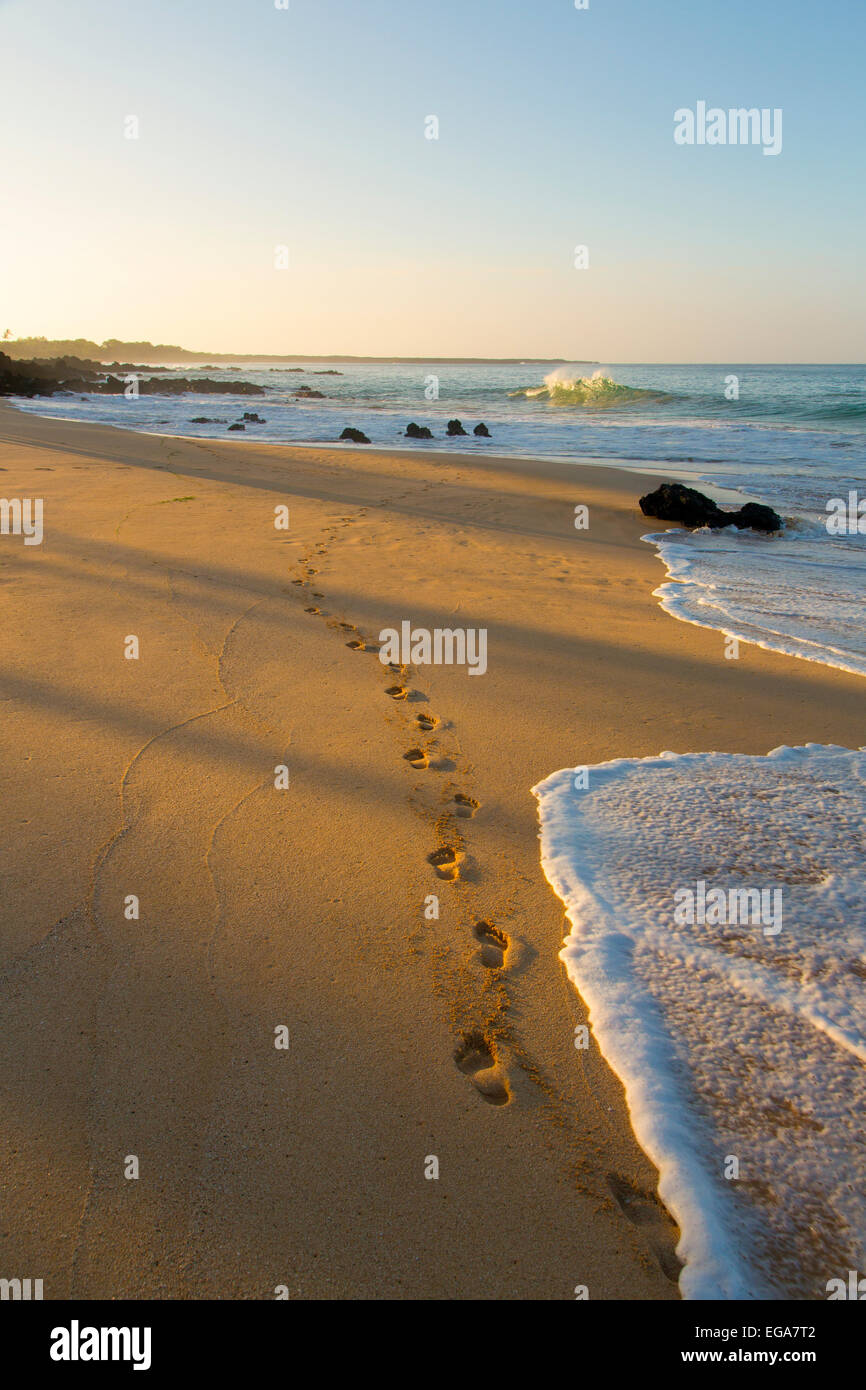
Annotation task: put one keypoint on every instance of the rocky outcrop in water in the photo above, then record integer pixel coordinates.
(45, 378)
(414, 431)
(455, 427)
(356, 436)
(482, 431)
(42, 378)
(676, 502)
(172, 386)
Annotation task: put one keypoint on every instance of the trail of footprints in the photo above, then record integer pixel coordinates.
(476, 1056)
(476, 1053)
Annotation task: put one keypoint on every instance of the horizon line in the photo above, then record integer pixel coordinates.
(457, 360)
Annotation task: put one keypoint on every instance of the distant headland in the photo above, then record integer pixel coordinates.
(151, 354)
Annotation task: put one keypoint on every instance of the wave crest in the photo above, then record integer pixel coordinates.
(564, 387)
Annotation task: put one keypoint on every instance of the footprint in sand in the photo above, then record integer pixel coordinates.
(494, 945)
(417, 757)
(645, 1211)
(476, 1058)
(446, 862)
(465, 806)
(426, 721)
(312, 610)
(357, 644)
(397, 692)
(298, 581)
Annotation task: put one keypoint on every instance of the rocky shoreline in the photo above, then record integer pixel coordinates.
(51, 376)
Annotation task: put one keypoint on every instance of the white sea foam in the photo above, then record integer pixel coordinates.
(730, 1042)
(801, 592)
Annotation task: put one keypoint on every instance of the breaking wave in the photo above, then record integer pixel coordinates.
(563, 387)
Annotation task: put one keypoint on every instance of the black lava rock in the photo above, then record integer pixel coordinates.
(455, 427)
(757, 517)
(42, 377)
(179, 386)
(356, 436)
(482, 431)
(675, 502)
(414, 431)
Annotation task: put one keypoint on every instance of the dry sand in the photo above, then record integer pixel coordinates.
(304, 907)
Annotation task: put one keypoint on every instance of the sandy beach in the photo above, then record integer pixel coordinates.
(261, 907)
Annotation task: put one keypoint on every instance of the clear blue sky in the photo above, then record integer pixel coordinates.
(305, 127)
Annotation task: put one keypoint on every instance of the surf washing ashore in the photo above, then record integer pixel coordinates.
(740, 1035)
(258, 654)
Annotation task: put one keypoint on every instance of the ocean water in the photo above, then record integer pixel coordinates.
(741, 1042)
(795, 437)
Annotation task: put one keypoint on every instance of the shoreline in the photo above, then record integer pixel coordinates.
(646, 468)
(308, 911)
(667, 592)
